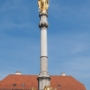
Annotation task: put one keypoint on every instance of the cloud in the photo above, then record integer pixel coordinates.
(70, 44)
(78, 64)
(70, 53)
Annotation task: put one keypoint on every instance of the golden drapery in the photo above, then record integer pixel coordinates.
(43, 5)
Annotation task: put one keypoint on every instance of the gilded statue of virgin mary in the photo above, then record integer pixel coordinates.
(43, 5)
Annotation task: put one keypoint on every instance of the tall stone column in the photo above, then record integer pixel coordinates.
(44, 77)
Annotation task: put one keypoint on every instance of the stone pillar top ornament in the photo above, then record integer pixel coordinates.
(43, 6)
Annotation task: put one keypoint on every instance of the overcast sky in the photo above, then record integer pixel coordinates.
(68, 38)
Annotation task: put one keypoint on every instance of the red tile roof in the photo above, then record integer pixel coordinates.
(28, 81)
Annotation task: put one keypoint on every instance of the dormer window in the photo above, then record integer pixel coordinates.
(14, 84)
(59, 85)
(23, 85)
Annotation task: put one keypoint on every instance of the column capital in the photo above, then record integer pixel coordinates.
(43, 14)
(43, 24)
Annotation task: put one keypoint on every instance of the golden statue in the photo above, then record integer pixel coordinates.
(43, 5)
(47, 88)
(33, 88)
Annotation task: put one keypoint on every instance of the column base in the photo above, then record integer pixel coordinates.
(43, 81)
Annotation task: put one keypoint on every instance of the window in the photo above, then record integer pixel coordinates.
(14, 84)
(59, 85)
(23, 85)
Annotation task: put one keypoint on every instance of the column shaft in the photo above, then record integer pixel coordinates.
(44, 77)
(43, 41)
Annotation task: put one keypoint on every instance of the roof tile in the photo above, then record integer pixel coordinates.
(28, 81)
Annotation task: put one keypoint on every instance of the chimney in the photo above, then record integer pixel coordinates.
(63, 74)
(18, 73)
